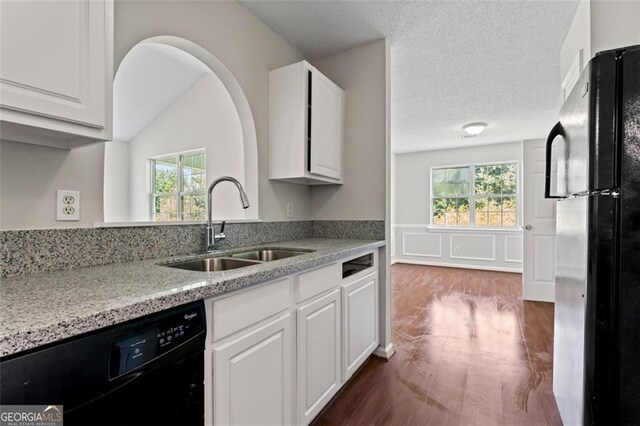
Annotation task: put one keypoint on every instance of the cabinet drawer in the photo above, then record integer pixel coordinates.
(242, 310)
(312, 283)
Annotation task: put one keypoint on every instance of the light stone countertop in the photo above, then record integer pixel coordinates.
(43, 308)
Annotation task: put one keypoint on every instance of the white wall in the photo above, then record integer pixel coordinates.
(414, 242)
(116, 181)
(614, 23)
(362, 73)
(578, 37)
(600, 25)
(30, 175)
(203, 117)
(246, 46)
(250, 50)
(226, 29)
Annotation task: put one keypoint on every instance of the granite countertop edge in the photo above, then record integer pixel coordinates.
(196, 286)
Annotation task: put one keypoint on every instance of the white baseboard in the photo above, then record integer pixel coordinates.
(386, 353)
(457, 265)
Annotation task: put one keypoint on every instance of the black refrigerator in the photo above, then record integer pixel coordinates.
(596, 143)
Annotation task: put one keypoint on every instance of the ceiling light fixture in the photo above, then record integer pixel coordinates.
(474, 129)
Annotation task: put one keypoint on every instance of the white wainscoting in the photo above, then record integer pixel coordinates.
(472, 247)
(513, 248)
(495, 250)
(421, 244)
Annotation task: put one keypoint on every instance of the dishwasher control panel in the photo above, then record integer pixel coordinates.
(146, 343)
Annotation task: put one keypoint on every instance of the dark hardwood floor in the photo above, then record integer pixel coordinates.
(469, 352)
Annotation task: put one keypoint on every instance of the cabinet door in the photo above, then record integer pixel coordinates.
(327, 113)
(318, 354)
(253, 375)
(56, 59)
(360, 322)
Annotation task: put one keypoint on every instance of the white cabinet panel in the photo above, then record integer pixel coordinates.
(306, 122)
(318, 343)
(287, 122)
(326, 127)
(231, 314)
(360, 322)
(56, 70)
(317, 281)
(253, 376)
(44, 43)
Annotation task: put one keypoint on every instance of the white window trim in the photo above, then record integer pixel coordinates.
(472, 198)
(475, 229)
(179, 194)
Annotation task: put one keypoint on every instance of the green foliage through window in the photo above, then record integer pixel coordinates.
(179, 185)
(481, 196)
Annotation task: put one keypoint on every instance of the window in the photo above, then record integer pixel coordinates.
(179, 187)
(475, 196)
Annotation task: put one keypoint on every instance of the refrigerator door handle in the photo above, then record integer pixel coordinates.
(556, 131)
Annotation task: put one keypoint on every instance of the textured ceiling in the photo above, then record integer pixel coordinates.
(452, 62)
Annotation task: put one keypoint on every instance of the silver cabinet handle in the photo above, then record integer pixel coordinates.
(528, 227)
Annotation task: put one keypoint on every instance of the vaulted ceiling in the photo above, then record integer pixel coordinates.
(150, 78)
(452, 62)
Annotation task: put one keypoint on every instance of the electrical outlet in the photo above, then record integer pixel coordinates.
(289, 209)
(67, 205)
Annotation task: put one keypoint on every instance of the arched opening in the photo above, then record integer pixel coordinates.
(180, 121)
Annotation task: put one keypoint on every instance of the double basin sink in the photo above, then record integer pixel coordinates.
(236, 260)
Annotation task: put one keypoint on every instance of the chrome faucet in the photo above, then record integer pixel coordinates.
(210, 233)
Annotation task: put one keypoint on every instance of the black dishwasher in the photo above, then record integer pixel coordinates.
(148, 371)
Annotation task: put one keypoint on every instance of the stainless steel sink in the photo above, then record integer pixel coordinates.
(235, 261)
(267, 255)
(213, 264)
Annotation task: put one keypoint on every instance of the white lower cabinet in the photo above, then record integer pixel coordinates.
(318, 353)
(252, 376)
(360, 322)
(270, 361)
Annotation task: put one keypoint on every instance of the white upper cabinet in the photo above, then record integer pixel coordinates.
(56, 71)
(306, 126)
(327, 101)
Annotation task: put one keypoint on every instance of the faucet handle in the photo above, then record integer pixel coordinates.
(222, 227)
